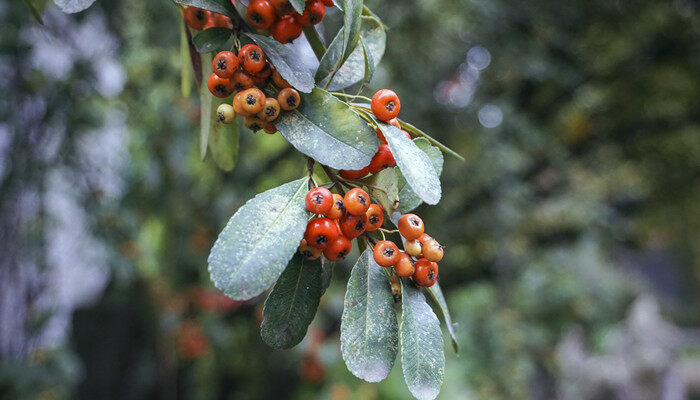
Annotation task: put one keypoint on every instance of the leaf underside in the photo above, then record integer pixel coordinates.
(368, 330)
(409, 200)
(415, 165)
(259, 240)
(422, 356)
(286, 61)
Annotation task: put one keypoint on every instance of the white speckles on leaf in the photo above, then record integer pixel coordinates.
(353, 70)
(422, 356)
(286, 61)
(407, 197)
(414, 163)
(257, 243)
(368, 330)
(325, 129)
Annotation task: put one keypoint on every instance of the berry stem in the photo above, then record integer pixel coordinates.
(351, 96)
(387, 231)
(370, 238)
(334, 178)
(310, 172)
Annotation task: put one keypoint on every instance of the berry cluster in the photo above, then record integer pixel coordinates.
(341, 219)
(385, 107)
(244, 74)
(421, 255)
(279, 17)
(199, 19)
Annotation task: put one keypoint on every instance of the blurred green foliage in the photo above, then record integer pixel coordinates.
(549, 225)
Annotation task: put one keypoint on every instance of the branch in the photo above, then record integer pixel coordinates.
(334, 178)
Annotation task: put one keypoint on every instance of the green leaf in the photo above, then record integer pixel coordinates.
(259, 240)
(223, 139)
(417, 132)
(326, 273)
(351, 24)
(414, 164)
(287, 62)
(386, 190)
(354, 69)
(344, 43)
(218, 6)
(292, 304)
(211, 39)
(206, 107)
(73, 6)
(368, 329)
(35, 11)
(327, 130)
(369, 62)
(422, 356)
(298, 5)
(436, 295)
(408, 200)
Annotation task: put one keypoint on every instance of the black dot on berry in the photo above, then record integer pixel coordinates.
(221, 65)
(251, 100)
(390, 106)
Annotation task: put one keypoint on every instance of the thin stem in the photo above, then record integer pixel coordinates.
(334, 178)
(315, 41)
(370, 238)
(387, 231)
(310, 172)
(351, 96)
(369, 185)
(382, 232)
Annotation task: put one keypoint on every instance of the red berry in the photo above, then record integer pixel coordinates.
(289, 99)
(320, 232)
(286, 29)
(426, 272)
(242, 80)
(282, 7)
(410, 226)
(338, 248)
(252, 58)
(352, 226)
(386, 253)
(328, 3)
(260, 14)
(382, 159)
(313, 13)
(404, 266)
(196, 18)
(338, 209)
(375, 217)
(219, 87)
(225, 64)
(385, 105)
(433, 251)
(351, 174)
(221, 21)
(319, 200)
(309, 252)
(356, 201)
(279, 81)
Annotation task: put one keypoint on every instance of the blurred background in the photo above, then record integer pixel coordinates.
(573, 228)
